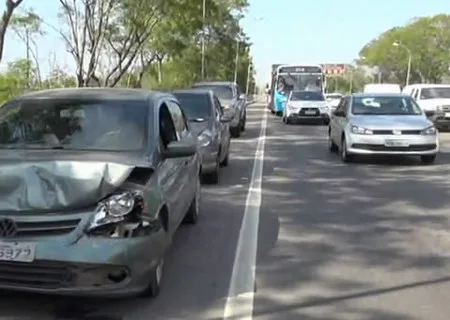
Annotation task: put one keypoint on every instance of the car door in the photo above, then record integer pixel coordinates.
(223, 128)
(240, 102)
(169, 170)
(188, 172)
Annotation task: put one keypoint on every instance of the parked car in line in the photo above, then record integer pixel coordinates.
(383, 123)
(333, 100)
(95, 183)
(434, 99)
(207, 119)
(304, 105)
(233, 101)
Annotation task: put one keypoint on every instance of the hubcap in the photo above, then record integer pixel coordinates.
(344, 150)
(159, 268)
(197, 199)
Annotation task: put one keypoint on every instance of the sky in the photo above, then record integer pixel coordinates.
(282, 31)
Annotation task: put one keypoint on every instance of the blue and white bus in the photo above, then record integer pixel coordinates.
(288, 77)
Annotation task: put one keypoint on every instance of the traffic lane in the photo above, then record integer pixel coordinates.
(198, 265)
(349, 241)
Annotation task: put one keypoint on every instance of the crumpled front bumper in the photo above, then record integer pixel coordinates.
(83, 265)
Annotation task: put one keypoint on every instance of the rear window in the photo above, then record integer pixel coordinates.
(307, 96)
(221, 91)
(195, 106)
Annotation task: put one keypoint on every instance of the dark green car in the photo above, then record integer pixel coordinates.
(94, 184)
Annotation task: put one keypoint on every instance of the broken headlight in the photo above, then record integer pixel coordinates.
(118, 211)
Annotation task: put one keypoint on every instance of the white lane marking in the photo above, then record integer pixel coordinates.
(239, 304)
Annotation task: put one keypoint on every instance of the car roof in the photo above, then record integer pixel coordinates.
(214, 83)
(198, 91)
(379, 94)
(93, 93)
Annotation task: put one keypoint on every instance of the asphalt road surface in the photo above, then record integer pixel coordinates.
(330, 241)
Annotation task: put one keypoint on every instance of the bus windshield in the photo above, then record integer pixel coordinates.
(288, 82)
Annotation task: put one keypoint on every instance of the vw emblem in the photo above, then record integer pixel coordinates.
(8, 227)
(397, 132)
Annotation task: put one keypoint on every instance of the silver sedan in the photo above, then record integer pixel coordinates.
(388, 124)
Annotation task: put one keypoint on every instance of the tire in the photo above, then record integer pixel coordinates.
(212, 177)
(225, 161)
(243, 122)
(333, 147)
(154, 286)
(428, 159)
(193, 212)
(345, 157)
(286, 120)
(235, 132)
(272, 111)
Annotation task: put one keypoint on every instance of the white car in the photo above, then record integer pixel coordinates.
(434, 99)
(388, 124)
(306, 105)
(333, 100)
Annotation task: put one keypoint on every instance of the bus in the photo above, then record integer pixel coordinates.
(289, 77)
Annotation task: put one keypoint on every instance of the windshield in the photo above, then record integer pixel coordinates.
(221, 91)
(195, 106)
(79, 125)
(333, 96)
(435, 93)
(385, 105)
(307, 96)
(289, 82)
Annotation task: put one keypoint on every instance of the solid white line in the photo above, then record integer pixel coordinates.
(239, 304)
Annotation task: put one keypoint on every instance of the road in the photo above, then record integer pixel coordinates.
(334, 241)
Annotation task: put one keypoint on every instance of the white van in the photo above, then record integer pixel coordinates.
(382, 88)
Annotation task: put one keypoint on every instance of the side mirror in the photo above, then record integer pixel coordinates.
(242, 96)
(429, 113)
(179, 149)
(339, 113)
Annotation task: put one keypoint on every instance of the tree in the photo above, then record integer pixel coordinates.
(116, 29)
(27, 26)
(11, 5)
(428, 40)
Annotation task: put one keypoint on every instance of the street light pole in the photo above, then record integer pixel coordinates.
(408, 71)
(236, 62)
(203, 39)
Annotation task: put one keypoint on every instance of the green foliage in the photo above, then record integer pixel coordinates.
(428, 40)
(130, 43)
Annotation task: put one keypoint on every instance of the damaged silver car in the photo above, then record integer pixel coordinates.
(94, 183)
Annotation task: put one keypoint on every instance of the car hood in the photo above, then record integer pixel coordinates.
(333, 102)
(198, 127)
(51, 182)
(382, 122)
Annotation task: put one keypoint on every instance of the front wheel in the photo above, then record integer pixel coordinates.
(154, 286)
(331, 145)
(235, 132)
(428, 159)
(345, 157)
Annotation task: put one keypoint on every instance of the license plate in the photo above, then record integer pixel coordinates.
(396, 143)
(18, 252)
(310, 112)
(447, 114)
